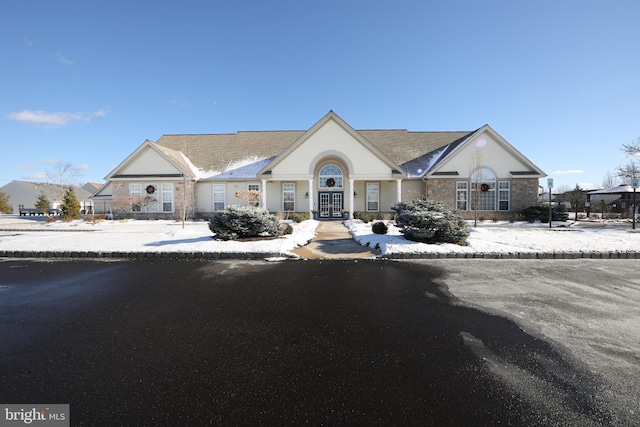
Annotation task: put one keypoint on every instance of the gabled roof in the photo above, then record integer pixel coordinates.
(176, 158)
(331, 116)
(52, 191)
(215, 155)
(452, 149)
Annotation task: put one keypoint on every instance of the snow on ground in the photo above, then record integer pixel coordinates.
(19, 234)
(137, 236)
(518, 237)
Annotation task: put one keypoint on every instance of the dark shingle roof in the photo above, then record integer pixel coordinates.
(220, 152)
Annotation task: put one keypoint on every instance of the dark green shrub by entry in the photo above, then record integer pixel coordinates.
(287, 229)
(365, 217)
(430, 222)
(299, 216)
(379, 227)
(238, 222)
(540, 212)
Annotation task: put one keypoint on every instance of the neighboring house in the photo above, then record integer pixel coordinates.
(329, 169)
(91, 187)
(25, 194)
(620, 199)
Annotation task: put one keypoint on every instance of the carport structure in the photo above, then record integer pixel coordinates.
(622, 196)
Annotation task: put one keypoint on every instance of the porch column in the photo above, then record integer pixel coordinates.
(311, 198)
(351, 198)
(264, 194)
(398, 190)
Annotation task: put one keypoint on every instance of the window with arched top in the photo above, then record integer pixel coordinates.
(330, 176)
(484, 191)
(483, 187)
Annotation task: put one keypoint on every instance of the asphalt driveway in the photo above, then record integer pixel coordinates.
(369, 342)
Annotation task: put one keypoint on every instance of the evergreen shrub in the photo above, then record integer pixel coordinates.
(70, 208)
(365, 217)
(238, 222)
(379, 227)
(5, 207)
(298, 217)
(430, 222)
(540, 212)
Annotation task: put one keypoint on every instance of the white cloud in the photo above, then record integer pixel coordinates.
(63, 59)
(38, 176)
(47, 119)
(26, 167)
(180, 102)
(568, 172)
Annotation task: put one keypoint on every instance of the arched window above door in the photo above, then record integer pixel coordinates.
(483, 186)
(330, 176)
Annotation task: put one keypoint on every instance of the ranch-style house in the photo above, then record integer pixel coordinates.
(330, 170)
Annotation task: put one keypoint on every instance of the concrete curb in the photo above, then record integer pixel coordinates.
(143, 255)
(264, 255)
(518, 255)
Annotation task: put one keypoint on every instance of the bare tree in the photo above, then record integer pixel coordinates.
(609, 180)
(476, 180)
(187, 197)
(632, 169)
(131, 204)
(577, 198)
(61, 175)
(561, 193)
(633, 149)
(250, 197)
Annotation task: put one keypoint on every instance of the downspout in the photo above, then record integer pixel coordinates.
(426, 187)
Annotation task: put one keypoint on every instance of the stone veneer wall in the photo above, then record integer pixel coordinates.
(442, 190)
(524, 193)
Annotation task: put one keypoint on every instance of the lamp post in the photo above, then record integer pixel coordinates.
(634, 184)
(550, 185)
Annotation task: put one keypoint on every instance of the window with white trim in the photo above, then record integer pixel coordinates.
(483, 190)
(504, 195)
(167, 197)
(218, 197)
(373, 196)
(288, 197)
(151, 201)
(330, 176)
(254, 187)
(462, 195)
(135, 191)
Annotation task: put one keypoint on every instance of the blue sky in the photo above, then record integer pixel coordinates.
(87, 82)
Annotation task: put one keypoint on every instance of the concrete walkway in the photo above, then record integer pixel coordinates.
(333, 241)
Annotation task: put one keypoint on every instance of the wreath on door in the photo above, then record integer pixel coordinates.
(484, 188)
(331, 182)
(150, 189)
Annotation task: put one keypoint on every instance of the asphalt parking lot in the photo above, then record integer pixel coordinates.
(368, 342)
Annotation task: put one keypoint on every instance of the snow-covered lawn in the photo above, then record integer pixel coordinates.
(518, 237)
(18, 234)
(138, 236)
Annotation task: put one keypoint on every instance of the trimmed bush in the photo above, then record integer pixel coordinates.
(238, 222)
(540, 212)
(430, 222)
(379, 227)
(298, 217)
(365, 217)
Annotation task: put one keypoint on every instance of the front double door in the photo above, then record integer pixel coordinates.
(331, 204)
